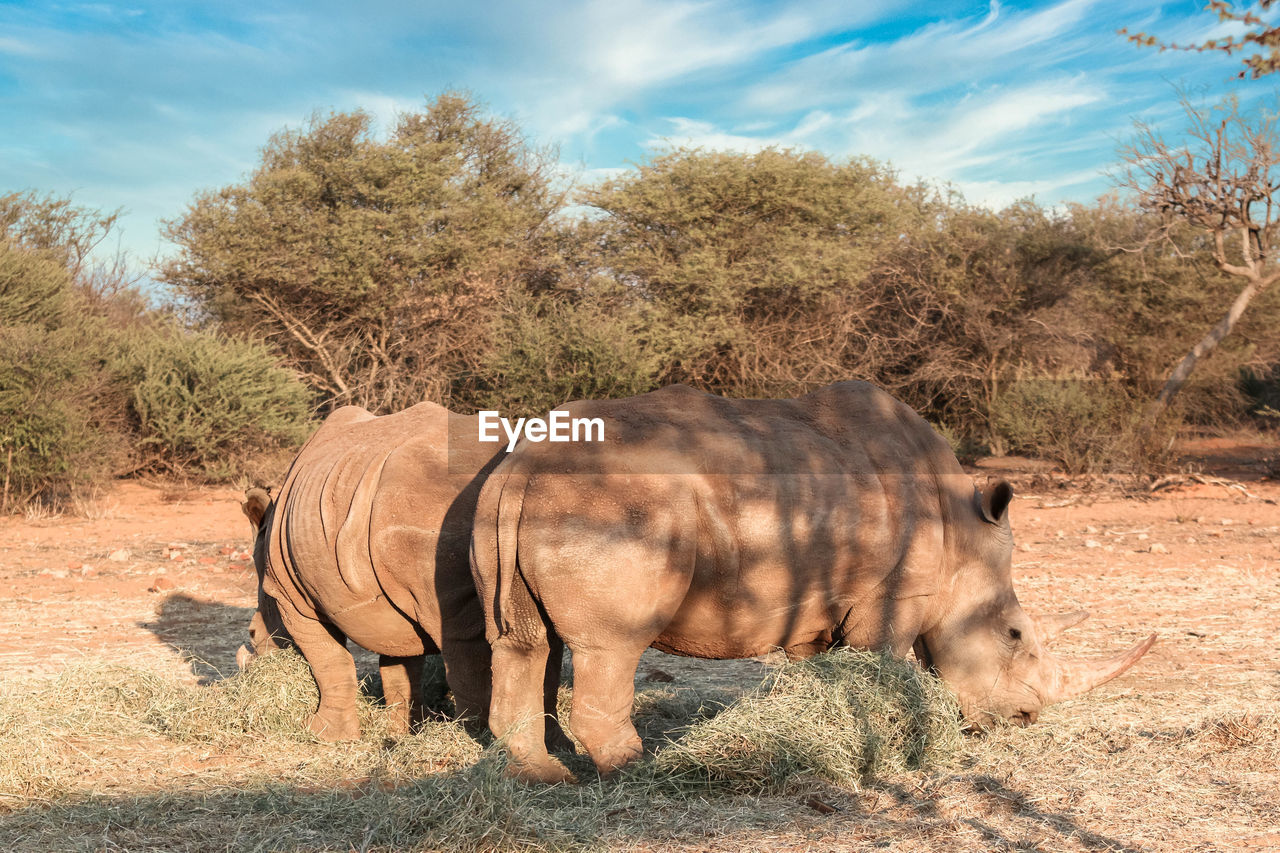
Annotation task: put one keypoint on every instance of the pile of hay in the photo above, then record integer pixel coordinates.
(839, 717)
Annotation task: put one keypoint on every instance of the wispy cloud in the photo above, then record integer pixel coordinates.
(17, 47)
(1001, 103)
(144, 104)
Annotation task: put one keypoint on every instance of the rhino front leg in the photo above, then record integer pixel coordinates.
(467, 669)
(325, 648)
(402, 690)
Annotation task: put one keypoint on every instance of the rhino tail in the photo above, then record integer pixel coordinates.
(510, 509)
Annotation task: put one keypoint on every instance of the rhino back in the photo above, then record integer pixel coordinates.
(760, 523)
(357, 525)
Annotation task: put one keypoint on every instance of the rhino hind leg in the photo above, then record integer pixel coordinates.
(325, 648)
(402, 690)
(603, 690)
(518, 714)
(555, 738)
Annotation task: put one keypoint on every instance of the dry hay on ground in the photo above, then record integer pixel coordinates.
(1179, 754)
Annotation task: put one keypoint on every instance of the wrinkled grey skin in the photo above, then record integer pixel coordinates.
(724, 528)
(367, 540)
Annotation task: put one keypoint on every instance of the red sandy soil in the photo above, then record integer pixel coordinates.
(160, 575)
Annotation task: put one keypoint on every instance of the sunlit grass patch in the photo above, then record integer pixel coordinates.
(53, 731)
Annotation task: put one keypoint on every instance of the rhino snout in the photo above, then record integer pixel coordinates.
(244, 656)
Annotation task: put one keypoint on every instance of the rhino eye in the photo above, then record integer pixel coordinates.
(1015, 634)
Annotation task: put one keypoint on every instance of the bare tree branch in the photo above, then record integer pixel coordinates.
(1216, 183)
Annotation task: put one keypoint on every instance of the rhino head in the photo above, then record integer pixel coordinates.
(266, 629)
(992, 653)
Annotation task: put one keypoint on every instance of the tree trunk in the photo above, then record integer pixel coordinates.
(1182, 372)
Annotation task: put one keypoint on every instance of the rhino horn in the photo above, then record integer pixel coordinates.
(1050, 625)
(1066, 679)
(244, 656)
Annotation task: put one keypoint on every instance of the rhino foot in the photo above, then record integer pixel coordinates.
(399, 721)
(334, 727)
(544, 772)
(611, 759)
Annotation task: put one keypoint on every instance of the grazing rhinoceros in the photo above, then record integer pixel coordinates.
(368, 540)
(722, 528)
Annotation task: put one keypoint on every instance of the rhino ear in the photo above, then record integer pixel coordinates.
(256, 502)
(995, 502)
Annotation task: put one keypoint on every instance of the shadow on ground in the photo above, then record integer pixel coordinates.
(206, 632)
(475, 808)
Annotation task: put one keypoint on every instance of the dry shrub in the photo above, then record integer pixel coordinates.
(1085, 425)
(839, 716)
(272, 697)
(31, 759)
(1236, 730)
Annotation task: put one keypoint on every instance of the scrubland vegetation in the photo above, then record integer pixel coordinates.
(444, 260)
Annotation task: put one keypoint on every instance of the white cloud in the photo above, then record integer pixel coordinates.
(973, 126)
(1015, 130)
(692, 133)
(997, 194)
(385, 109)
(638, 43)
(934, 58)
(18, 47)
(596, 61)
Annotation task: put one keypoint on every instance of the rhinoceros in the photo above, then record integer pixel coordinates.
(722, 528)
(367, 540)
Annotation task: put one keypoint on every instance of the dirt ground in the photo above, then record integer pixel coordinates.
(160, 577)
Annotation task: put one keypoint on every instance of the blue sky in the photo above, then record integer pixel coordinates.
(142, 104)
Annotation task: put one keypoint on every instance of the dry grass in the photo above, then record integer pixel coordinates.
(846, 751)
(222, 784)
(837, 717)
(94, 505)
(39, 510)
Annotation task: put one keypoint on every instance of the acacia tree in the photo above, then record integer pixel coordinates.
(1224, 182)
(376, 267)
(751, 266)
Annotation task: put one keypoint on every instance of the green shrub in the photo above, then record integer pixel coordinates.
(58, 423)
(1086, 425)
(552, 352)
(204, 402)
(34, 289)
